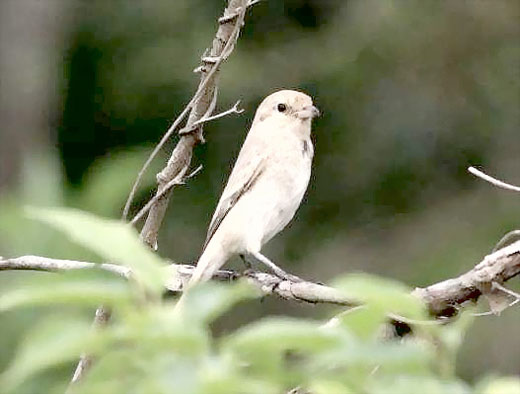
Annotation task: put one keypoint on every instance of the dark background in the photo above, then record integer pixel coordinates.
(412, 93)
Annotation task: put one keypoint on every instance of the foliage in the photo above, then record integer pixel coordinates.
(412, 92)
(150, 348)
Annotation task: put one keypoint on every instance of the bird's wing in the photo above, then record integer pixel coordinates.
(248, 168)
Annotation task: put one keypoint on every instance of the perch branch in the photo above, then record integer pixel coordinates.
(38, 263)
(443, 299)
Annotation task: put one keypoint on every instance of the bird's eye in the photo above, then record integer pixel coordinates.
(281, 107)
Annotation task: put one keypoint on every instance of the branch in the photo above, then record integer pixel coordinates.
(38, 263)
(443, 299)
(168, 186)
(101, 319)
(492, 180)
(233, 110)
(200, 108)
(180, 274)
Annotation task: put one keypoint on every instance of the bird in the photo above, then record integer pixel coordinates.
(266, 185)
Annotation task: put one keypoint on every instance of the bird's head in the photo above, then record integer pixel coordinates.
(287, 105)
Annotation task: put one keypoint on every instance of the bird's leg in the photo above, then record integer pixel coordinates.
(245, 261)
(274, 268)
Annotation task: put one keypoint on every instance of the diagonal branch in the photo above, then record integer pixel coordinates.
(223, 45)
(174, 182)
(200, 107)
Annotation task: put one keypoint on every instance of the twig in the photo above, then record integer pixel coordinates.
(507, 239)
(176, 181)
(168, 186)
(101, 319)
(148, 161)
(497, 286)
(507, 291)
(232, 110)
(492, 180)
(443, 299)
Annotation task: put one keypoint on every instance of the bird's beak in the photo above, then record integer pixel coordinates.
(309, 112)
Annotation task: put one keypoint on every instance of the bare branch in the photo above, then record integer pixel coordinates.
(507, 291)
(101, 319)
(154, 199)
(168, 186)
(233, 110)
(181, 156)
(148, 161)
(509, 238)
(444, 299)
(492, 180)
(202, 102)
(38, 263)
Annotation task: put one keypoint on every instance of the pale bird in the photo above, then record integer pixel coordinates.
(266, 185)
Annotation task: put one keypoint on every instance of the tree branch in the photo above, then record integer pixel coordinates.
(200, 107)
(493, 181)
(444, 299)
(38, 263)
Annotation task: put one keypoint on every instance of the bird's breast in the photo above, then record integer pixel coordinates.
(283, 186)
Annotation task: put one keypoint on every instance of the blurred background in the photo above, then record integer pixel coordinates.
(412, 93)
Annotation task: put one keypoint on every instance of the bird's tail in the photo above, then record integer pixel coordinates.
(213, 257)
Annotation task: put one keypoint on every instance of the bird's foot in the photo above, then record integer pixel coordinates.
(246, 262)
(290, 277)
(275, 269)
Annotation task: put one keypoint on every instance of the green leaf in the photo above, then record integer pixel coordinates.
(363, 321)
(322, 386)
(280, 334)
(209, 300)
(448, 340)
(52, 342)
(110, 178)
(387, 294)
(159, 329)
(113, 240)
(83, 288)
(359, 358)
(408, 384)
(499, 385)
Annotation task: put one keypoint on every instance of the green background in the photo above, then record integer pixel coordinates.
(412, 93)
